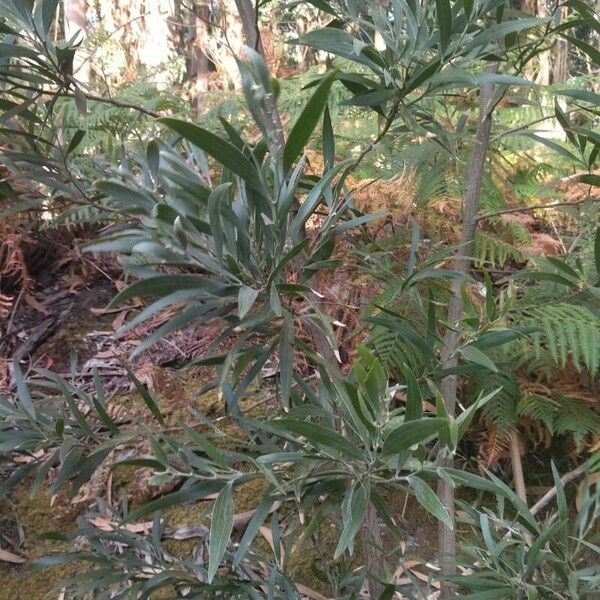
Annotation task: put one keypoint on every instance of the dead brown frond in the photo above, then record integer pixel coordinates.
(543, 244)
(535, 432)
(5, 305)
(494, 445)
(13, 266)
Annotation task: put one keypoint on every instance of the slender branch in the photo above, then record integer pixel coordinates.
(528, 125)
(517, 465)
(88, 96)
(388, 123)
(114, 102)
(528, 209)
(449, 360)
(549, 495)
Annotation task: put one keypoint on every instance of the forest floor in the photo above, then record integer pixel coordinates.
(83, 339)
(61, 323)
(24, 519)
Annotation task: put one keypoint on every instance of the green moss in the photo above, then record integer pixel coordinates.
(305, 558)
(37, 517)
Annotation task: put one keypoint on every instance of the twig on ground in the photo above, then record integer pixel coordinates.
(549, 495)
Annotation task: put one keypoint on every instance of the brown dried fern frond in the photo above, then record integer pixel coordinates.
(13, 267)
(494, 445)
(5, 305)
(535, 432)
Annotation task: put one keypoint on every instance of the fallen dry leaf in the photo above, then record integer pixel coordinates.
(268, 535)
(7, 556)
(23, 459)
(309, 593)
(108, 525)
(31, 301)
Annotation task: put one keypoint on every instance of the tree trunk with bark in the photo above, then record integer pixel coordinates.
(199, 63)
(461, 264)
(75, 24)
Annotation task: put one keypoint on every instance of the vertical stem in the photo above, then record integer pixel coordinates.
(249, 18)
(373, 553)
(449, 385)
(517, 466)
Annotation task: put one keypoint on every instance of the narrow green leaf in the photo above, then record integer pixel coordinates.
(586, 48)
(289, 256)
(597, 250)
(583, 95)
(554, 146)
(564, 267)
(221, 150)
(414, 432)
(315, 434)
(220, 530)
(501, 593)
(314, 196)
(328, 140)
(246, 298)
(126, 197)
(261, 513)
(496, 33)
(407, 332)
(23, 395)
(75, 141)
(339, 43)
(146, 395)
(444, 19)
(324, 6)
(356, 507)
(187, 494)
(563, 121)
(414, 399)
(167, 284)
(218, 196)
(286, 358)
(427, 498)
(590, 179)
(465, 418)
(153, 159)
(473, 354)
(99, 404)
(48, 14)
(307, 121)
(545, 276)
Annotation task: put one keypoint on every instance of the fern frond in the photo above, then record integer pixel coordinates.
(502, 409)
(491, 250)
(539, 408)
(563, 332)
(390, 346)
(494, 444)
(576, 418)
(394, 351)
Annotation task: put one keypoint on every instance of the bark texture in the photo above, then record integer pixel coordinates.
(75, 24)
(449, 385)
